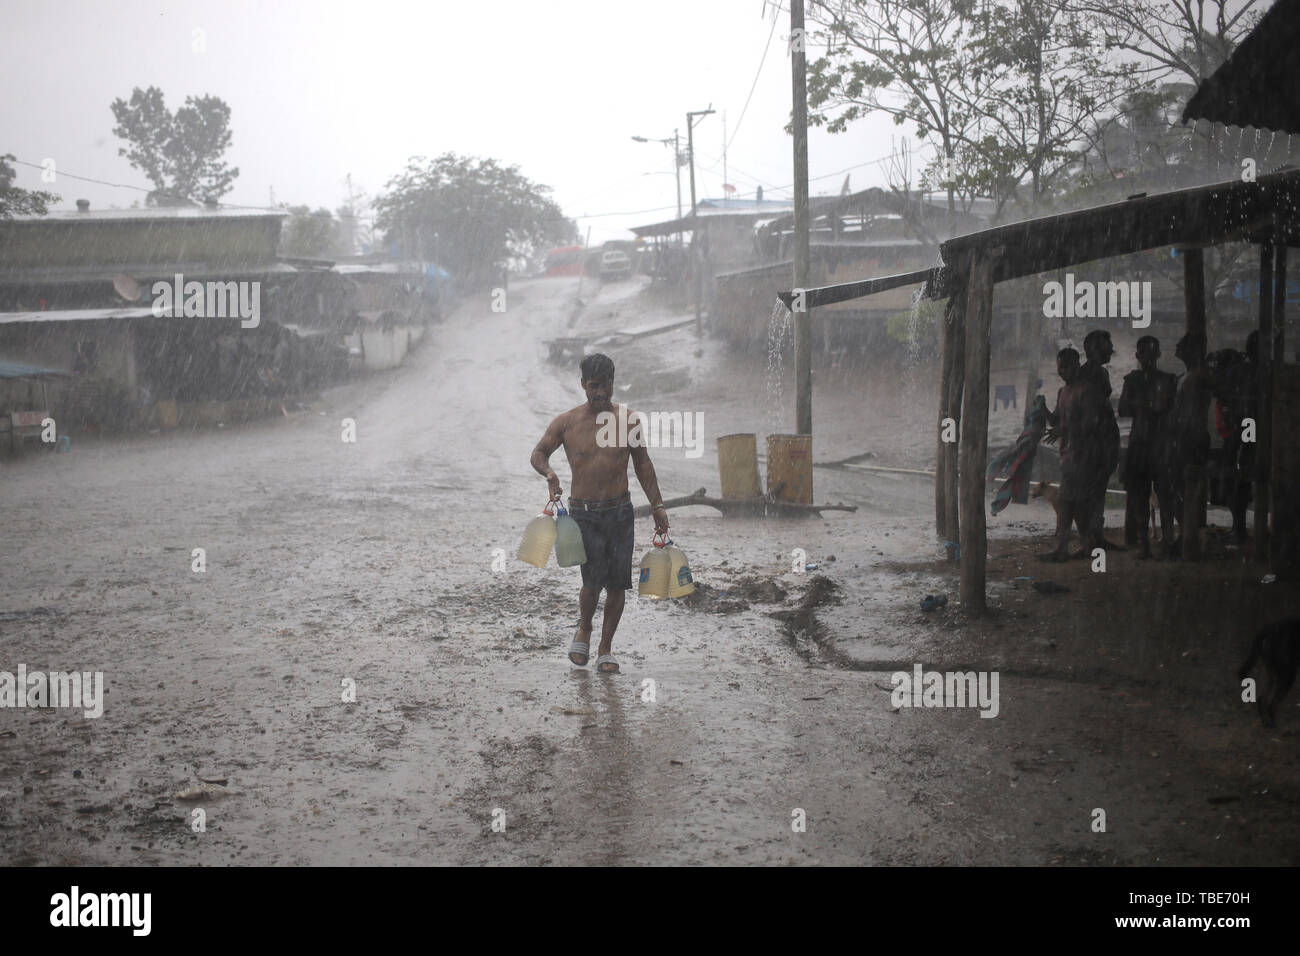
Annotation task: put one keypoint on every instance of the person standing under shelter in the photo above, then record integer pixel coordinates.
(1186, 445)
(1101, 431)
(1147, 397)
(1241, 404)
(1066, 422)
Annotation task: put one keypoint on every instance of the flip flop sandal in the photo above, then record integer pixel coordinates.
(579, 649)
(606, 664)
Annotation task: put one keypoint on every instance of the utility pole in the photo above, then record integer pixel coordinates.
(802, 317)
(695, 231)
(352, 229)
(677, 168)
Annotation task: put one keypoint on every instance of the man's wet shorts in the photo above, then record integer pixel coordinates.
(607, 532)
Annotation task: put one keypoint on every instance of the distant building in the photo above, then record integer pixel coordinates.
(81, 293)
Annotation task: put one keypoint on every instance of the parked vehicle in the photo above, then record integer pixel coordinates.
(615, 264)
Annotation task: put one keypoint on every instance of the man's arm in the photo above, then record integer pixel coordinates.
(1126, 402)
(645, 473)
(552, 439)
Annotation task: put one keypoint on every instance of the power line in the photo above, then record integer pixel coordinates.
(86, 179)
(840, 172)
(141, 189)
(370, 219)
(373, 220)
(753, 86)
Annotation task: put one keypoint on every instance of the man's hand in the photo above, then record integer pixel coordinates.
(1050, 436)
(553, 483)
(660, 514)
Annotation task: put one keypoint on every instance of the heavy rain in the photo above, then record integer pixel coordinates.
(816, 433)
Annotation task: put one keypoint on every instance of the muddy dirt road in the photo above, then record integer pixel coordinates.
(389, 562)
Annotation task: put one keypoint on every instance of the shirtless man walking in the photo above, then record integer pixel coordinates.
(600, 501)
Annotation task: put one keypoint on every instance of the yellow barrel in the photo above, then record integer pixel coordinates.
(789, 468)
(738, 466)
(169, 414)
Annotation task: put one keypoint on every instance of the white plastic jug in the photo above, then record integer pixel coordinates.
(655, 568)
(568, 541)
(680, 581)
(539, 536)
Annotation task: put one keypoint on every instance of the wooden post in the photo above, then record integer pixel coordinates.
(1283, 532)
(940, 461)
(1193, 516)
(940, 455)
(952, 409)
(975, 434)
(1279, 304)
(1264, 422)
(1033, 356)
(799, 127)
(1194, 289)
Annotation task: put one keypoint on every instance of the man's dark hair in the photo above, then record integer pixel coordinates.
(1069, 356)
(597, 368)
(1093, 340)
(1148, 342)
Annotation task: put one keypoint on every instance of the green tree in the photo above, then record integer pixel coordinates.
(1005, 92)
(1183, 40)
(1175, 45)
(15, 201)
(471, 215)
(311, 235)
(1055, 82)
(910, 60)
(179, 152)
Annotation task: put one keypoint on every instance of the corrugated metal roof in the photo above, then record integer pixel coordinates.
(75, 315)
(148, 272)
(745, 205)
(717, 210)
(1232, 211)
(10, 369)
(1259, 85)
(165, 212)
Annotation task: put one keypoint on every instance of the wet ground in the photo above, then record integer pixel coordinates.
(762, 702)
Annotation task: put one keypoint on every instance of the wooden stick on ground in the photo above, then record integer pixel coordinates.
(753, 507)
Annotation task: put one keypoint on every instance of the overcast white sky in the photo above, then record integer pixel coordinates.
(318, 90)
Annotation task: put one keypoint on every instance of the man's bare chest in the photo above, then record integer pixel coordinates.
(586, 441)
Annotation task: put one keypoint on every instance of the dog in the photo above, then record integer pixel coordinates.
(1278, 648)
(1045, 489)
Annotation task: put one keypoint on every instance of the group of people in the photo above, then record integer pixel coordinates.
(1169, 441)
